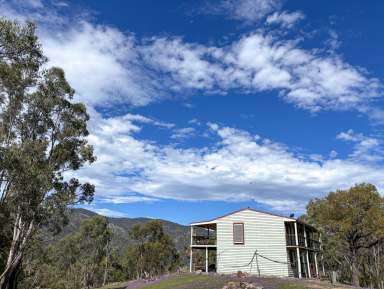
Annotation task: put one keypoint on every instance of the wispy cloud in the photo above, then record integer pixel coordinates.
(285, 19)
(108, 212)
(249, 11)
(259, 12)
(259, 62)
(183, 133)
(333, 42)
(366, 148)
(128, 199)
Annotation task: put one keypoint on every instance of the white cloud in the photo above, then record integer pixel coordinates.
(29, 3)
(256, 11)
(366, 148)
(333, 154)
(350, 136)
(258, 62)
(237, 166)
(249, 11)
(107, 66)
(376, 114)
(36, 10)
(183, 133)
(128, 199)
(333, 42)
(108, 212)
(285, 19)
(194, 121)
(101, 63)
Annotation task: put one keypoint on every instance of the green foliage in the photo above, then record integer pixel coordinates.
(42, 135)
(77, 261)
(84, 259)
(353, 225)
(153, 253)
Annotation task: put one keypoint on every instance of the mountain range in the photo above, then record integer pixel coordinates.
(121, 228)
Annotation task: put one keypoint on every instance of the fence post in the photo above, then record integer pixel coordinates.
(334, 277)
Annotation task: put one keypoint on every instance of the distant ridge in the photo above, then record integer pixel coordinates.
(122, 226)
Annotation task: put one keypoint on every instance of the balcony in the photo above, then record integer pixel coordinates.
(203, 240)
(291, 240)
(308, 236)
(311, 243)
(203, 235)
(314, 244)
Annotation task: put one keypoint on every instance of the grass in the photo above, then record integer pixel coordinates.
(119, 285)
(293, 286)
(181, 281)
(189, 281)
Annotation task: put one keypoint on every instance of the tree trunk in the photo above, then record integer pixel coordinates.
(106, 264)
(105, 277)
(355, 276)
(13, 279)
(19, 241)
(9, 280)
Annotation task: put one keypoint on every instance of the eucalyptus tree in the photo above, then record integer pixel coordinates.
(42, 136)
(152, 253)
(353, 224)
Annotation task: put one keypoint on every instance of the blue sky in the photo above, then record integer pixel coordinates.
(202, 107)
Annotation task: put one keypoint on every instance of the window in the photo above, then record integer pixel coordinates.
(238, 233)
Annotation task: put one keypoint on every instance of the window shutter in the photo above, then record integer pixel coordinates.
(238, 233)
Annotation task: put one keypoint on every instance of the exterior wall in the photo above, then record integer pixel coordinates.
(262, 232)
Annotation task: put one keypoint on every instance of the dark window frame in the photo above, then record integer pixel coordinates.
(238, 243)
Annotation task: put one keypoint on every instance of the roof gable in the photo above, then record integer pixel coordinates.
(243, 209)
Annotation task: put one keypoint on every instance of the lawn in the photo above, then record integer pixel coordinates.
(188, 281)
(185, 281)
(120, 285)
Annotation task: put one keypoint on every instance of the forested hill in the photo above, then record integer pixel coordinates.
(122, 226)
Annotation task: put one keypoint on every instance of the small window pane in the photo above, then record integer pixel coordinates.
(238, 233)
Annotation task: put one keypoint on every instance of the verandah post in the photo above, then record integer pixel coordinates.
(307, 253)
(297, 251)
(322, 256)
(317, 267)
(191, 253)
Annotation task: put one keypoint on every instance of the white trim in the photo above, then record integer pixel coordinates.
(203, 246)
(298, 253)
(203, 223)
(317, 267)
(191, 253)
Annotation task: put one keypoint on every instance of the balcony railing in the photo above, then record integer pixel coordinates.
(291, 241)
(314, 244)
(203, 240)
(301, 241)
